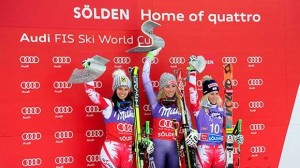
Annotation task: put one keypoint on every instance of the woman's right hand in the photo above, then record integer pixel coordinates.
(90, 90)
(86, 63)
(192, 139)
(153, 53)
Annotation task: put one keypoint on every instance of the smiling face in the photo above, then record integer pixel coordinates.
(122, 92)
(169, 90)
(213, 97)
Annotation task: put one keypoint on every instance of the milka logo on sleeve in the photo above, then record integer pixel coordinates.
(168, 111)
(122, 115)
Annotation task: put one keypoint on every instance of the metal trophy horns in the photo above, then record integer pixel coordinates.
(96, 69)
(198, 63)
(147, 28)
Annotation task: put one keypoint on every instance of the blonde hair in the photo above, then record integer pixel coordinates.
(205, 98)
(161, 95)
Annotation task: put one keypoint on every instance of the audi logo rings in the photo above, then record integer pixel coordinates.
(235, 105)
(234, 82)
(97, 84)
(31, 162)
(254, 60)
(154, 61)
(199, 83)
(62, 85)
(29, 59)
(64, 160)
(256, 104)
(255, 82)
(62, 109)
(155, 84)
(147, 107)
(258, 149)
(92, 158)
(31, 110)
(166, 123)
(94, 133)
(61, 59)
(63, 134)
(125, 127)
(176, 60)
(92, 109)
(28, 136)
(257, 127)
(30, 85)
(227, 60)
(121, 60)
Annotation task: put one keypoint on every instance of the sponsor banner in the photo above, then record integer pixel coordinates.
(40, 47)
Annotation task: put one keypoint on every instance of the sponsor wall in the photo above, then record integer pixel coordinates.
(47, 122)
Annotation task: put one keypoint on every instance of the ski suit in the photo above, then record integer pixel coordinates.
(116, 151)
(210, 125)
(163, 136)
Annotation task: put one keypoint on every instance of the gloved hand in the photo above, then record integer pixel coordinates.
(191, 59)
(86, 63)
(89, 89)
(153, 53)
(239, 139)
(192, 139)
(150, 147)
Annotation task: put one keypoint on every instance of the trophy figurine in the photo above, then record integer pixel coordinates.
(96, 68)
(156, 41)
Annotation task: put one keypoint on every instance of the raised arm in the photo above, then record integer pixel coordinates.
(95, 96)
(146, 77)
(103, 103)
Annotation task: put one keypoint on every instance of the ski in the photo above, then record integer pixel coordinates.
(139, 152)
(228, 93)
(238, 130)
(146, 134)
(190, 154)
(176, 126)
(145, 140)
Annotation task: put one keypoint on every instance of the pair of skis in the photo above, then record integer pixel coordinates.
(198, 63)
(140, 145)
(189, 152)
(228, 93)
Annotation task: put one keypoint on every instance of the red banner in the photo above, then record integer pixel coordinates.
(48, 122)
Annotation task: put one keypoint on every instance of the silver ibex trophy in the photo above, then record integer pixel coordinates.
(156, 41)
(96, 69)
